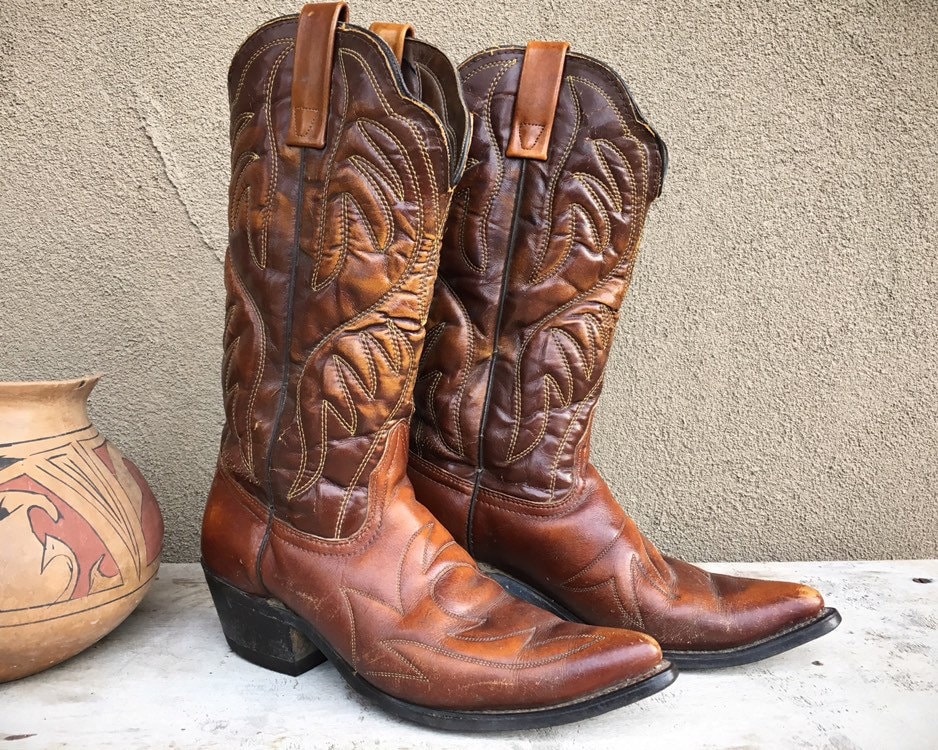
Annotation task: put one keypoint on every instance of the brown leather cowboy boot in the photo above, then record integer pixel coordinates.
(536, 258)
(313, 544)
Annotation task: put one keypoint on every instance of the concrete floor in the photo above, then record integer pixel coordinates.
(166, 679)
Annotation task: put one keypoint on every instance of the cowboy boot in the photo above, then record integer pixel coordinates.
(537, 256)
(313, 545)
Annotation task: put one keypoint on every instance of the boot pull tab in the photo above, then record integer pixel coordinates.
(536, 101)
(312, 73)
(394, 35)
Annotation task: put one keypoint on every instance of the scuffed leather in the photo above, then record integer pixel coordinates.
(542, 511)
(334, 531)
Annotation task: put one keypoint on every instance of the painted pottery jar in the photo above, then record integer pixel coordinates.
(80, 531)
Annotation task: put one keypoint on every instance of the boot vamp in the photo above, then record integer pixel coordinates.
(409, 610)
(726, 611)
(591, 557)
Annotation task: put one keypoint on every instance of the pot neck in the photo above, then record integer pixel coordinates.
(29, 411)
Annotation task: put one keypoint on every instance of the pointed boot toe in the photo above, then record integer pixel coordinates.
(762, 619)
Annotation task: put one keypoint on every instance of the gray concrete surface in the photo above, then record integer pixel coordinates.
(773, 387)
(166, 679)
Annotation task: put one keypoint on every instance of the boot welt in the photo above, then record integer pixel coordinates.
(267, 633)
(826, 621)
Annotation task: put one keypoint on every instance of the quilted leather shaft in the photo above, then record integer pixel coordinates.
(366, 215)
(578, 227)
(536, 259)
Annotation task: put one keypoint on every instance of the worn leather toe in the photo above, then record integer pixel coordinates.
(761, 609)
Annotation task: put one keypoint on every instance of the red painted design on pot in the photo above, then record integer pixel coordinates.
(80, 530)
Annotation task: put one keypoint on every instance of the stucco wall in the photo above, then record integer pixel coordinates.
(773, 387)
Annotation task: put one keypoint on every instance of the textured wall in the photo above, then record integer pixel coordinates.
(773, 386)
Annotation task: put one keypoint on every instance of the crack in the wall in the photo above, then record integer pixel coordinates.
(157, 141)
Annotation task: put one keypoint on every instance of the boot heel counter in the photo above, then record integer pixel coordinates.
(232, 534)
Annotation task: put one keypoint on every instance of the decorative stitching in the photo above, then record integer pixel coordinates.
(544, 243)
(298, 485)
(528, 144)
(240, 123)
(250, 61)
(465, 325)
(516, 665)
(315, 119)
(624, 259)
(438, 84)
(500, 170)
(251, 310)
(274, 156)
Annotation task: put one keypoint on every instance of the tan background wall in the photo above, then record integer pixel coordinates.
(773, 386)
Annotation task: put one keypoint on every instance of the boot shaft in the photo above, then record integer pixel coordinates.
(537, 256)
(340, 183)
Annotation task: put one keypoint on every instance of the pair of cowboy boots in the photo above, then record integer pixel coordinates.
(379, 197)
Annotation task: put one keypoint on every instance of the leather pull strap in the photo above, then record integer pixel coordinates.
(394, 35)
(536, 101)
(312, 73)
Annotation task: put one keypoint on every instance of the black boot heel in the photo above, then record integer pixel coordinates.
(259, 630)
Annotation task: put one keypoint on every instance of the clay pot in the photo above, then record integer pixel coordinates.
(80, 531)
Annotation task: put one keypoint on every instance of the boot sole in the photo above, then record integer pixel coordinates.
(826, 621)
(267, 633)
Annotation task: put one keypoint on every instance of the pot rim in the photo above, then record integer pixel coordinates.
(26, 389)
(74, 382)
